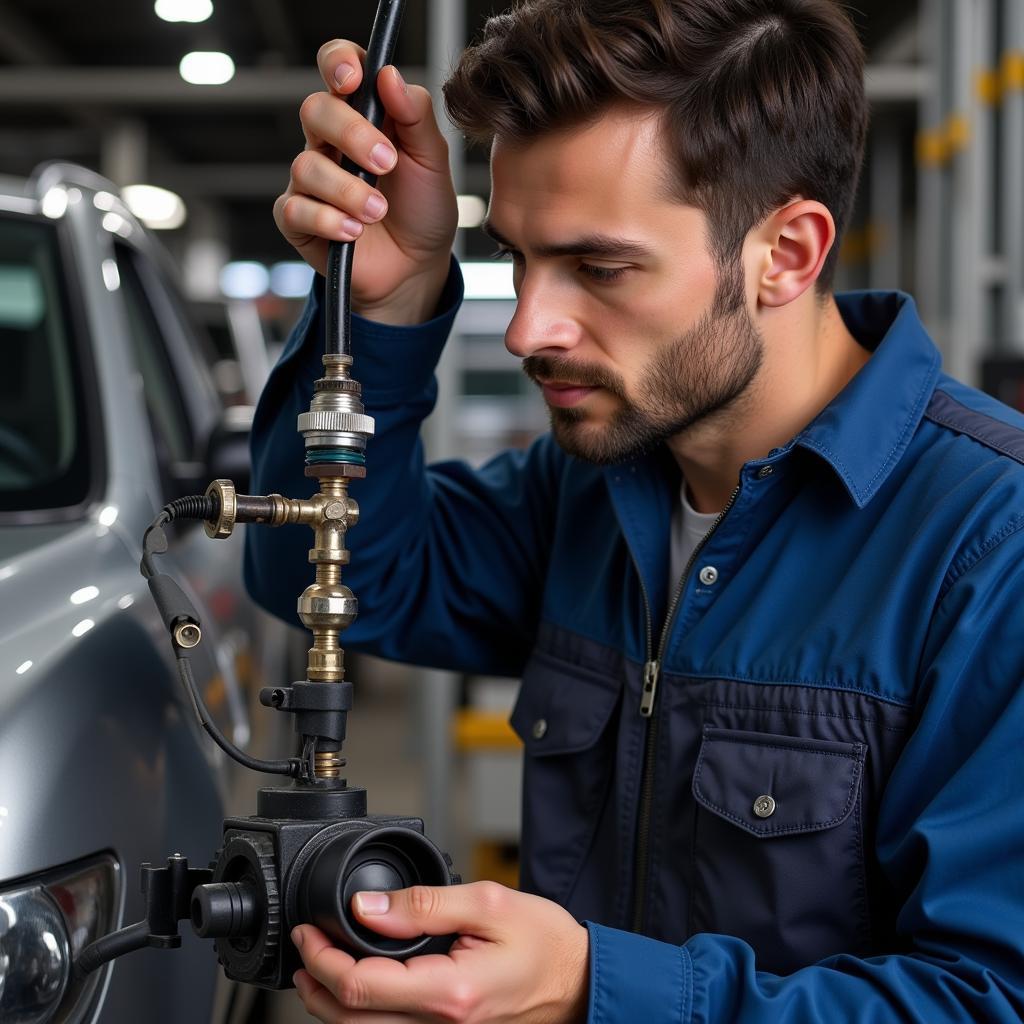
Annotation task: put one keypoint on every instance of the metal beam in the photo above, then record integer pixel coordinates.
(281, 87)
(897, 83)
(258, 181)
(131, 87)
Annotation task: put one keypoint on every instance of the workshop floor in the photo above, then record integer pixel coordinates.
(382, 757)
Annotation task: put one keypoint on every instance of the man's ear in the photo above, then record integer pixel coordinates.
(795, 242)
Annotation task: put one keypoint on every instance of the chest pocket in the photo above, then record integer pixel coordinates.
(778, 847)
(563, 716)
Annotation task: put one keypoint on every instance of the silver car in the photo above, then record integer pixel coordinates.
(107, 411)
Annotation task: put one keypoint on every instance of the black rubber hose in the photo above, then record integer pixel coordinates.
(109, 947)
(366, 101)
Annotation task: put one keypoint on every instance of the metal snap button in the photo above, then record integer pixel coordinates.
(765, 471)
(708, 575)
(764, 806)
(540, 727)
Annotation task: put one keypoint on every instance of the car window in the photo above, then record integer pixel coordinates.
(171, 430)
(43, 439)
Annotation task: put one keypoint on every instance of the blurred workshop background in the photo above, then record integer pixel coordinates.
(189, 109)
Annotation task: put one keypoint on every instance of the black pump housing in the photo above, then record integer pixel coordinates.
(273, 874)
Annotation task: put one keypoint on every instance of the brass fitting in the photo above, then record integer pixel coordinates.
(223, 492)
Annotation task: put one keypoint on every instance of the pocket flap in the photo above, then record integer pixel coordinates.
(562, 708)
(772, 785)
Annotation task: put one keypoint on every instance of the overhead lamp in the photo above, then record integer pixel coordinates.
(244, 279)
(157, 208)
(488, 280)
(291, 279)
(192, 11)
(206, 67)
(472, 210)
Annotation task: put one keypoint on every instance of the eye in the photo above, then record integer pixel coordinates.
(603, 274)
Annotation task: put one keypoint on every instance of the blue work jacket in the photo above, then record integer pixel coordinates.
(821, 818)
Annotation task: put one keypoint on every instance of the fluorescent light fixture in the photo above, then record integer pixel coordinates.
(488, 280)
(244, 279)
(192, 11)
(291, 279)
(206, 67)
(104, 200)
(85, 594)
(472, 210)
(55, 203)
(125, 602)
(108, 515)
(83, 627)
(23, 668)
(157, 208)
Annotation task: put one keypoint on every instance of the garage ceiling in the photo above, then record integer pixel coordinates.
(83, 81)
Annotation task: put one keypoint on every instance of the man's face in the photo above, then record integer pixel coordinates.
(624, 318)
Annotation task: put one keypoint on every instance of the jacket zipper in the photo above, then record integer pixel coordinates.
(652, 673)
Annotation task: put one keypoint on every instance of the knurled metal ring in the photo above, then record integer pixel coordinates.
(331, 421)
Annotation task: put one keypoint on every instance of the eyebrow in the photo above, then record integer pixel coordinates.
(594, 245)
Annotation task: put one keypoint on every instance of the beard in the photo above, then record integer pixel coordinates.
(703, 372)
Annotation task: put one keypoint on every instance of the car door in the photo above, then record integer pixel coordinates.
(182, 409)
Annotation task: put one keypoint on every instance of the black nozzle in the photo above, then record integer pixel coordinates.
(375, 859)
(224, 910)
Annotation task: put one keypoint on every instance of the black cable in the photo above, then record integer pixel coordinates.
(380, 52)
(175, 608)
(292, 767)
(109, 947)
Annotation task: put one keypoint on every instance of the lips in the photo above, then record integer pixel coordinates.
(563, 393)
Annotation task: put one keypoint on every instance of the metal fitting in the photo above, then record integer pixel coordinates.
(323, 606)
(223, 492)
(336, 418)
(187, 635)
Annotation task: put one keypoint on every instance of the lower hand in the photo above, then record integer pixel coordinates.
(517, 958)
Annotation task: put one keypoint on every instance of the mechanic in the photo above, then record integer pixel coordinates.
(762, 581)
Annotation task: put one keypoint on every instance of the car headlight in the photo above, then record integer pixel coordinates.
(45, 922)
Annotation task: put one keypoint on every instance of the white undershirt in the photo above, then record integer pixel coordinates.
(689, 528)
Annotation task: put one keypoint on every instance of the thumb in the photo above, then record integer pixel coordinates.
(430, 910)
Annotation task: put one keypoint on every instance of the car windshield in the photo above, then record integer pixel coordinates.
(43, 462)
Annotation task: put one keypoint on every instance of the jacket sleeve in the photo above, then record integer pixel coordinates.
(950, 839)
(447, 562)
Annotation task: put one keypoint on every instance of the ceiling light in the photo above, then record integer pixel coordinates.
(291, 279)
(192, 11)
(157, 208)
(244, 279)
(207, 67)
(472, 210)
(488, 280)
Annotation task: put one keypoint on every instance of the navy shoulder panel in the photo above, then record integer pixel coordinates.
(1002, 437)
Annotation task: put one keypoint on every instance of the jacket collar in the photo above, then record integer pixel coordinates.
(860, 434)
(866, 428)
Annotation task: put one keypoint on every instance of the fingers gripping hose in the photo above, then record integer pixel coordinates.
(367, 102)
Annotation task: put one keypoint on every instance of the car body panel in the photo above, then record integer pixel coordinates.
(99, 749)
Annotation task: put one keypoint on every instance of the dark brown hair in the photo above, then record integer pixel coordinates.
(763, 100)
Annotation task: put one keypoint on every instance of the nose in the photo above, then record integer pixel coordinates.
(544, 322)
